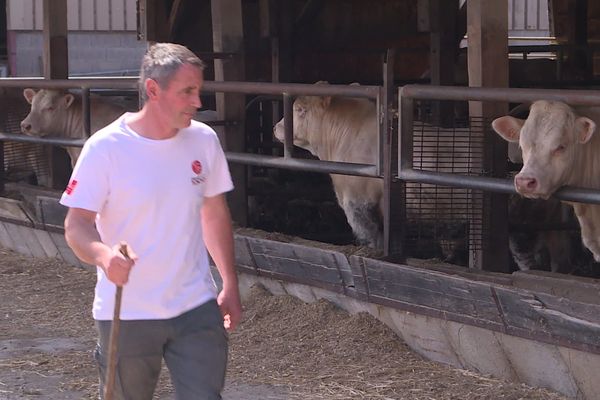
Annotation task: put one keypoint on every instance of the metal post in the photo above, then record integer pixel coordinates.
(2, 172)
(288, 126)
(85, 109)
(393, 201)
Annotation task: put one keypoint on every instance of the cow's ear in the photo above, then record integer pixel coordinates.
(69, 98)
(28, 93)
(585, 128)
(325, 101)
(508, 127)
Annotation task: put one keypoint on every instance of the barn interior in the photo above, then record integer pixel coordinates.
(343, 42)
(438, 72)
(352, 41)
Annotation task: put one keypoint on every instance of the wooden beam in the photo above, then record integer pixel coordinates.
(153, 21)
(578, 36)
(174, 15)
(56, 57)
(443, 52)
(228, 36)
(309, 12)
(487, 30)
(282, 23)
(55, 63)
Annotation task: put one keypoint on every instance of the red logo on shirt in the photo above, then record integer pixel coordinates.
(196, 167)
(71, 187)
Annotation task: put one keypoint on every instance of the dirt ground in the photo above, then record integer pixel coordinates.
(284, 349)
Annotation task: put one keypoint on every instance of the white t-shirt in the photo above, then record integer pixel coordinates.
(149, 194)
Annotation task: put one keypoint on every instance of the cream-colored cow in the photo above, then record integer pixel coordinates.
(559, 148)
(58, 113)
(344, 129)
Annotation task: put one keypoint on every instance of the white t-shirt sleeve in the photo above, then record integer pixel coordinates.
(219, 179)
(88, 187)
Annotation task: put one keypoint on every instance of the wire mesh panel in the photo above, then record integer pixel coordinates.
(444, 222)
(23, 162)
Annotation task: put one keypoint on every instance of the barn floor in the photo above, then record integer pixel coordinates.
(284, 349)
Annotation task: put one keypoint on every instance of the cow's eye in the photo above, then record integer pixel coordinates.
(559, 150)
(300, 111)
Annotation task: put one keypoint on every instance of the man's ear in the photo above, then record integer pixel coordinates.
(508, 127)
(152, 88)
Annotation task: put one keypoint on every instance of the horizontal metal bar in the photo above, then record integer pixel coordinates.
(332, 167)
(210, 86)
(534, 227)
(546, 47)
(447, 179)
(293, 89)
(207, 55)
(515, 95)
(566, 193)
(99, 83)
(42, 140)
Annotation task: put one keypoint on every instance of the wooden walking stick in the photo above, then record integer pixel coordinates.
(114, 337)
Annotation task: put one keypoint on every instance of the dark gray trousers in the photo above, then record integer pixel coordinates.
(194, 346)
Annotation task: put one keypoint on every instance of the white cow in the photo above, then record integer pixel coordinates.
(344, 129)
(58, 113)
(559, 148)
(22, 161)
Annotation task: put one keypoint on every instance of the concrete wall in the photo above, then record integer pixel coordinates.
(564, 370)
(102, 53)
(109, 15)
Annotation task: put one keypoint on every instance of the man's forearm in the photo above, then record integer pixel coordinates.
(85, 242)
(219, 243)
(218, 237)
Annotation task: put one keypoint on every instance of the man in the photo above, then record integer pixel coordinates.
(156, 179)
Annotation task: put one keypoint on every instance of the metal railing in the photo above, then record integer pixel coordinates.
(409, 93)
(288, 91)
(406, 96)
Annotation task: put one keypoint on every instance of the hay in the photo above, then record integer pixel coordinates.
(314, 351)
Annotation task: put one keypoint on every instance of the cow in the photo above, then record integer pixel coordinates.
(23, 162)
(58, 113)
(344, 129)
(558, 148)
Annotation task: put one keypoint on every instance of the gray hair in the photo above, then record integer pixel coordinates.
(160, 63)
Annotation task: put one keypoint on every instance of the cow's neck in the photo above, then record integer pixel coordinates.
(72, 126)
(335, 135)
(586, 171)
(318, 145)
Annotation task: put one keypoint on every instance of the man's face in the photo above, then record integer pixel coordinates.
(180, 100)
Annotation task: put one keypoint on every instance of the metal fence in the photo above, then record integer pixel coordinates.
(413, 168)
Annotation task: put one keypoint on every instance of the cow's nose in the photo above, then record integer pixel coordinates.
(525, 184)
(25, 127)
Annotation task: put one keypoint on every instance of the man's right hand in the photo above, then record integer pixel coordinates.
(118, 265)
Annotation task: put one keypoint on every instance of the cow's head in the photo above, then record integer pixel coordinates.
(549, 139)
(308, 113)
(48, 111)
